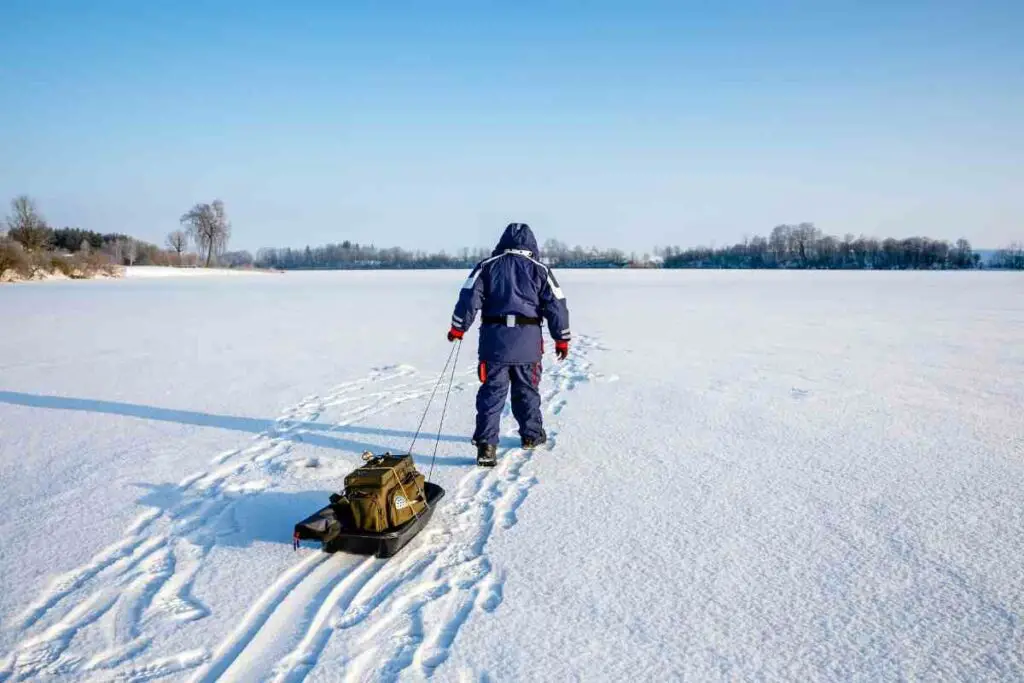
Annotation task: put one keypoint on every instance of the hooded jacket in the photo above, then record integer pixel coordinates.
(513, 281)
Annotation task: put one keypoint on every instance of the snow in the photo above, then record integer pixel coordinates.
(163, 271)
(751, 475)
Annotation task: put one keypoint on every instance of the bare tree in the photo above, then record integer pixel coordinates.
(805, 237)
(115, 250)
(131, 251)
(208, 227)
(178, 242)
(26, 225)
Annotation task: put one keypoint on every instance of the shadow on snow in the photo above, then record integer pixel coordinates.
(311, 433)
(252, 517)
(255, 516)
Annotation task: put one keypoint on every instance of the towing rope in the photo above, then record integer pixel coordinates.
(447, 394)
(437, 384)
(440, 378)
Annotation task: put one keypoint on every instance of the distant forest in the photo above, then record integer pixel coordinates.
(29, 245)
(804, 246)
(349, 255)
(801, 246)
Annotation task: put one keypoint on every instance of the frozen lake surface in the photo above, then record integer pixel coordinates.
(751, 475)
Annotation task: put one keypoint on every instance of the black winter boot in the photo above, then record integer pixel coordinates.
(486, 455)
(530, 443)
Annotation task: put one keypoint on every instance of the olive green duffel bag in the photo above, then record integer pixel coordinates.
(385, 492)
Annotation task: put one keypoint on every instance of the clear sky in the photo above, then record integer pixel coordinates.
(433, 124)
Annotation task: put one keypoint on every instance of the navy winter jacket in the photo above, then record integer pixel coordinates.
(513, 282)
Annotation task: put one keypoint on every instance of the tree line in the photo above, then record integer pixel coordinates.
(787, 247)
(1010, 258)
(348, 255)
(29, 245)
(805, 246)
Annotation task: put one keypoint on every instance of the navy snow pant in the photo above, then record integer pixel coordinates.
(490, 399)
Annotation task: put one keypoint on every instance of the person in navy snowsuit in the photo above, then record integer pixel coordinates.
(514, 293)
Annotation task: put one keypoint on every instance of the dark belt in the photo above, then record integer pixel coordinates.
(520, 320)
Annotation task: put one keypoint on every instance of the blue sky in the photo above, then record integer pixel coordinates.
(433, 124)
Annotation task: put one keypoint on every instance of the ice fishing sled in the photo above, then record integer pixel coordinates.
(384, 504)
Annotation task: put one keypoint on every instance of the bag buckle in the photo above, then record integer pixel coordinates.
(510, 320)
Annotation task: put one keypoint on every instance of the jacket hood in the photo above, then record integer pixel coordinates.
(517, 236)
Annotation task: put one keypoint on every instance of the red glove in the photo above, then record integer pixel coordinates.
(562, 349)
(455, 333)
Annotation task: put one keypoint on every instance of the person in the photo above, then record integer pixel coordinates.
(515, 293)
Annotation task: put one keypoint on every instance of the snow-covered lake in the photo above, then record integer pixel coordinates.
(751, 476)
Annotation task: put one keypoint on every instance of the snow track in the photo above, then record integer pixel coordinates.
(382, 618)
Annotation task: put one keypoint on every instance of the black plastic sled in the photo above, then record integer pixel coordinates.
(326, 527)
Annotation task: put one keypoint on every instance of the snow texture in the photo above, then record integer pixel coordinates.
(162, 271)
(750, 476)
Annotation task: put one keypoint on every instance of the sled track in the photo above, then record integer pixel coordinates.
(395, 617)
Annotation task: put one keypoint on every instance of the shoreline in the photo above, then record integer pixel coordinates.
(131, 273)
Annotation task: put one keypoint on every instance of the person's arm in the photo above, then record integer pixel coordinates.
(471, 298)
(556, 311)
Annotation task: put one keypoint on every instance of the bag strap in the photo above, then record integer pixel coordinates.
(374, 463)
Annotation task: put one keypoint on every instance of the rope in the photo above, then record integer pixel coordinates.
(440, 378)
(448, 394)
